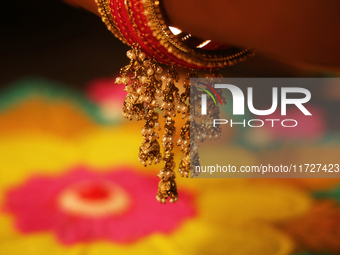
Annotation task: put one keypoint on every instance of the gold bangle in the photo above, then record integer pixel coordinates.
(105, 13)
(176, 46)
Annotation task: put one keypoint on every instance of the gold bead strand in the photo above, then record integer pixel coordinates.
(141, 100)
(133, 105)
(207, 128)
(195, 128)
(184, 140)
(167, 187)
(149, 151)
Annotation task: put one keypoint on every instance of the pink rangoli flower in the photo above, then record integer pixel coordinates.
(108, 96)
(118, 206)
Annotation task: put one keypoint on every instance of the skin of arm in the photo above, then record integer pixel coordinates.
(298, 31)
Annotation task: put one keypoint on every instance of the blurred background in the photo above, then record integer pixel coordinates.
(70, 181)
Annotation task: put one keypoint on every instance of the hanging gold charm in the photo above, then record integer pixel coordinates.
(184, 140)
(141, 101)
(207, 128)
(144, 88)
(167, 186)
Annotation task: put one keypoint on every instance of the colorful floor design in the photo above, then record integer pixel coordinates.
(70, 183)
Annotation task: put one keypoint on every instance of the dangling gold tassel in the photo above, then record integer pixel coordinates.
(207, 128)
(184, 140)
(141, 101)
(167, 185)
(144, 87)
(149, 151)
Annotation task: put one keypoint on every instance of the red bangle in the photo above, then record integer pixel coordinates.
(142, 22)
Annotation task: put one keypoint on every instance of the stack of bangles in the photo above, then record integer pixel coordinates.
(142, 25)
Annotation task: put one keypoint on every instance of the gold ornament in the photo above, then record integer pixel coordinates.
(144, 89)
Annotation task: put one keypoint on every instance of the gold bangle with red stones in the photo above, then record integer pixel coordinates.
(142, 22)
